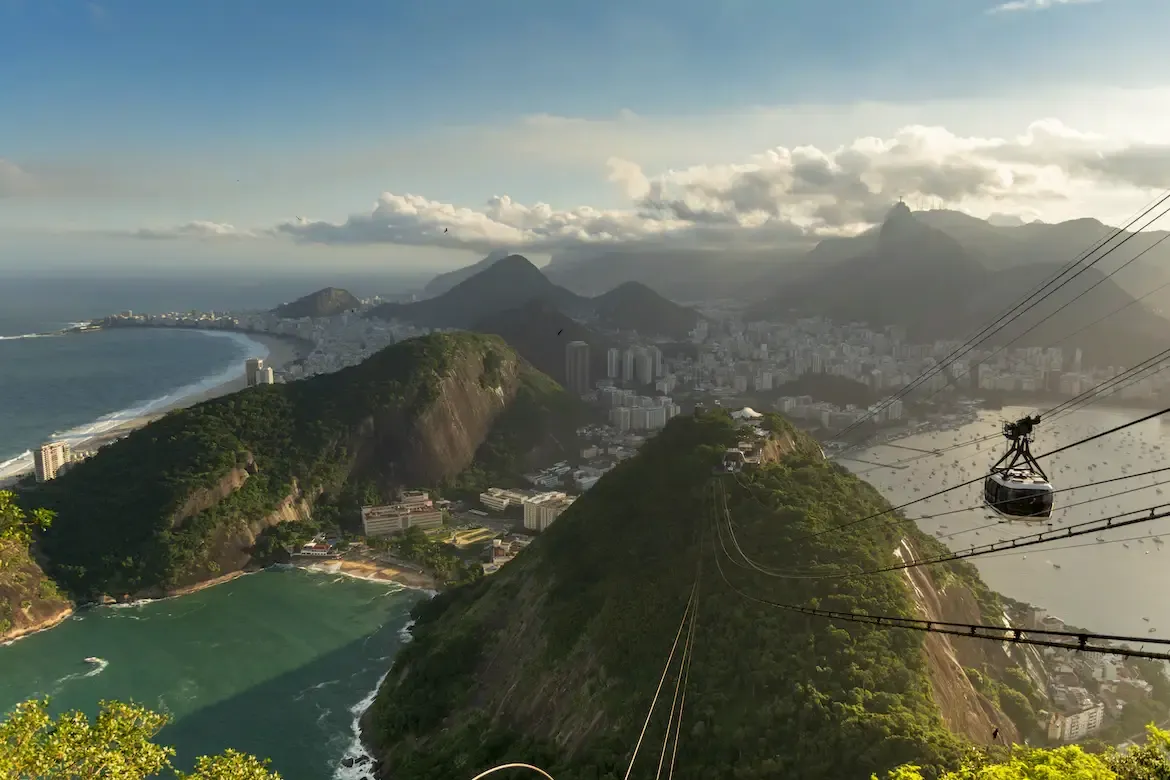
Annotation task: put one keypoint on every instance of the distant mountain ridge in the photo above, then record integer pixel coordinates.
(753, 274)
(445, 281)
(917, 275)
(513, 282)
(328, 302)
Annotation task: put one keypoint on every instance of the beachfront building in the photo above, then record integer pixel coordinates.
(542, 509)
(416, 510)
(50, 459)
(265, 376)
(252, 369)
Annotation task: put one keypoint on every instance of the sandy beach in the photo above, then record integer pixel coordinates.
(365, 568)
(282, 350)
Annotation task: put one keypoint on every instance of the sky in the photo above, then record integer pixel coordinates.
(361, 134)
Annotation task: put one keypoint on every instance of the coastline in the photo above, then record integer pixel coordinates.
(281, 351)
(364, 568)
(44, 625)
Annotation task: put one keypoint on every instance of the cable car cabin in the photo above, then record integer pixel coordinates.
(733, 460)
(1018, 493)
(1017, 487)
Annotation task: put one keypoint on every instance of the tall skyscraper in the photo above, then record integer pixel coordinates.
(49, 459)
(252, 367)
(577, 367)
(656, 357)
(628, 358)
(613, 363)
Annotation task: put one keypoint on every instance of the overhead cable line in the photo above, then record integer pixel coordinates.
(1067, 640)
(687, 614)
(1058, 450)
(1066, 304)
(1104, 389)
(1120, 520)
(684, 674)
(1018, 310)
(661, 680)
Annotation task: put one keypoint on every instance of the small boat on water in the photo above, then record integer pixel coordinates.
(93, 659)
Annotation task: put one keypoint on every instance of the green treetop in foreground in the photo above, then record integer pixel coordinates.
(17, 526)
(116, 746)
(1150, 761)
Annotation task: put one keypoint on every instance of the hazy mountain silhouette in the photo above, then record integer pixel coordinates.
(506, 284)
(513, 282)
(445, 281)
(323, 303)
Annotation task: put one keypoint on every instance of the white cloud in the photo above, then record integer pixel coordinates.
(781, 195)
(197, 230)
(1035, 5)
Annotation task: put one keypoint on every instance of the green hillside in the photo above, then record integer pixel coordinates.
(555, 659)
(185, 498)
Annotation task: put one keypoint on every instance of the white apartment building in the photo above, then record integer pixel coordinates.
(1069, 727)
(498, 499)
(390, 519)
(542, 509)
(50, 459)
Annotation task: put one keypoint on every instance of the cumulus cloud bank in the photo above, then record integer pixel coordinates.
(777, 196)
(197, 230)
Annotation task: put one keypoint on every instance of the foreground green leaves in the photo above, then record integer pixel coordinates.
(117, 745)
(1150, 761)
(15, 524)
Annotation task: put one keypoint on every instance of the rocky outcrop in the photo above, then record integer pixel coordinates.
(29, 601)
(964, 710)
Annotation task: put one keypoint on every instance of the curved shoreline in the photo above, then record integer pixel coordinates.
(36, 628)
(281, 350)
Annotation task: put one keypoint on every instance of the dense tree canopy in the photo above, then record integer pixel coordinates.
(116, 745)
(16, 525)
(1150, 761)
(554, 659)
(153, 509)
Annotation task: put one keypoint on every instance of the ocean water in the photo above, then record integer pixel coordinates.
(278, 664)
(1109, 586)
(75, 385)
(72, 386)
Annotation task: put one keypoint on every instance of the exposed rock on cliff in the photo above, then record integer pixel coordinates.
(29, 600)
(184, 499)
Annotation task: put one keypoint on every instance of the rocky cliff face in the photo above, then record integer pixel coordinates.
(441, 439)
(29, 600)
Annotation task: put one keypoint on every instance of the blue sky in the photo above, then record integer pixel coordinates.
(131, 113)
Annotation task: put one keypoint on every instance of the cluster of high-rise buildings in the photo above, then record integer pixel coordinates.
(256, 373)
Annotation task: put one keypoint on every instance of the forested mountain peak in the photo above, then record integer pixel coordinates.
(555, 660)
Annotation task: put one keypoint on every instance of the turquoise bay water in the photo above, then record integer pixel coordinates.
(272, 664)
